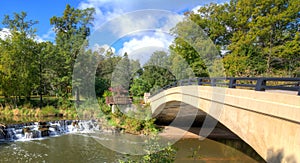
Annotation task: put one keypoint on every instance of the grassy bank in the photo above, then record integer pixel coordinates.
(48, 111)
(51, 107)
(136, 121)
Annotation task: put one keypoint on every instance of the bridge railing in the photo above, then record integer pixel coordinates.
(258, 83)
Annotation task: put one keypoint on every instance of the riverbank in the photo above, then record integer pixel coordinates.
(27, 113)
(193, 133)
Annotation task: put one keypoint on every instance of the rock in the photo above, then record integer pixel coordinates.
(36, 134)
(44, 130)
(26, 130)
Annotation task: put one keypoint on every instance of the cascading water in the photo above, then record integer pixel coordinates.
(27, 131)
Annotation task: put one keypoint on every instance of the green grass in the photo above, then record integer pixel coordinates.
(51, 107)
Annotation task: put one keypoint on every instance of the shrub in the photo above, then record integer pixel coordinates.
(155, 153)
(49, 111)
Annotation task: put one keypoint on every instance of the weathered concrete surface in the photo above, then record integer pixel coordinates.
(170, 113)
(267, 121)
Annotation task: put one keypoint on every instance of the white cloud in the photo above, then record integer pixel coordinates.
(143, 48)
(50, 35)
(103, 48)
(39, 39)
(195, 9)
(107, 10)
(117, 19)
(4, 33)
(144, 20)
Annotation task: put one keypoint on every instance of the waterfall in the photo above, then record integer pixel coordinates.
(28, 131)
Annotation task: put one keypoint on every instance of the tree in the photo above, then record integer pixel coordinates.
(71, 30)
(267, 25)
(252, 36)
(193, 45)
(19, 23)
(18, 55)
(180, 68)
(155, 75)
(122, 73)
(106, 66)
(217, 22)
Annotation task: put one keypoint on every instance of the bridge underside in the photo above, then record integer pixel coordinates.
(170, 112)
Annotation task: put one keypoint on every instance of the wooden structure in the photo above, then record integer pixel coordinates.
(118, 100)
(120, 96)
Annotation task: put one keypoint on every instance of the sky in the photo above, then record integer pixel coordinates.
(125, 25)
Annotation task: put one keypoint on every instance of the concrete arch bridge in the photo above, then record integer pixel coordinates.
(268, 119)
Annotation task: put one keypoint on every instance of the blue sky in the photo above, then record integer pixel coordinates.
(115, 20)
(38, 10)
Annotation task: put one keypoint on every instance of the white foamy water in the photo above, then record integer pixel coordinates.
(41, 130)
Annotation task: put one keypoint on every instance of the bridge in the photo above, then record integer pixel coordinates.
(267, 118)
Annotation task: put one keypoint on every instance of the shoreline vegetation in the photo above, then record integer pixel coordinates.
(137, 121)
(50, 107)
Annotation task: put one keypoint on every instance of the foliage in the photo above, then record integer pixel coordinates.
(155, 153)
(194, 46)
(255, 37)
(196, 153)
(163, 155)
(49, 111)
(71, 30)
(101, 87)
(155, 74)
(106, 65)
(251, 38)
(28, 110)
(137, 121)
(122, 73)
(89, 109)
(18, 53)
(28, 67)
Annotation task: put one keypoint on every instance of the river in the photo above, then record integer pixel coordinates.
(82, 147)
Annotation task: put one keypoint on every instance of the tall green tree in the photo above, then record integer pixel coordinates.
(71, 29)
(155, 74)
(180, 68)
(18, 55)
(253, 37)
(267, 25)
(122, 73)
(193, 45)
(217, 21)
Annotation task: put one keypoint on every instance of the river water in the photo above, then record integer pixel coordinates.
(78, 148)
(82, 147)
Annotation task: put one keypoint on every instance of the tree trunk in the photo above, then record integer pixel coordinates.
(40, 88)
(77, 96)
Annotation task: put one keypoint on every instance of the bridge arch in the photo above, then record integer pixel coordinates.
(268, 122)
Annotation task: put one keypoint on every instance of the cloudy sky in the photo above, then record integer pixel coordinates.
(126, 25)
